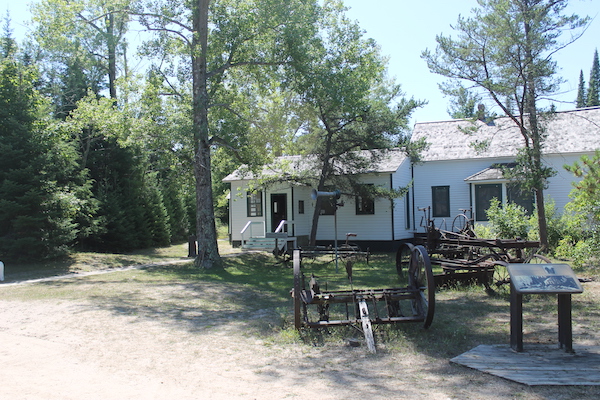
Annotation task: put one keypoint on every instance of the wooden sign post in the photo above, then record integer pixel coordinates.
(556, 279)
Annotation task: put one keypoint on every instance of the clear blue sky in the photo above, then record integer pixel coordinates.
(404, 28)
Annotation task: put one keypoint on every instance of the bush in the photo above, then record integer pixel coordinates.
(507, 222)
(583, 243)
(557, 225)
(483, 231)
(579, 252)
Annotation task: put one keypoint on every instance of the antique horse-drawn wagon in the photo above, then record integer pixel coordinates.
(457, 252)
(462, 257)
(413, 300)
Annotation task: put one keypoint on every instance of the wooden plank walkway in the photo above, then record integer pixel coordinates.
(537, 364)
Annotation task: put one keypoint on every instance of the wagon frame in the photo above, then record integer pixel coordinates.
(364, 308)
(465, 258)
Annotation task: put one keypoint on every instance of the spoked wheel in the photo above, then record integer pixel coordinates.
(403, 259)
(537, 259)
(460, 223)
(420, 276)
(297, 291)
(500, 276)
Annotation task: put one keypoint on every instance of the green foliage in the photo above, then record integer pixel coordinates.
(593, 92)
(88, 34)
(557, 225)
(504, 49)
(582, 243)
(580, 102)
(579, 252)
(464, 103)
(44, 198)
(483, 231)
(509, 221)
(132, 213)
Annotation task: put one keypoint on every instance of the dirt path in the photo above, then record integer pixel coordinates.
(90, 349)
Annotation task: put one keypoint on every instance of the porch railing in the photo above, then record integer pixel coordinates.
(249, 227)
(280, 226)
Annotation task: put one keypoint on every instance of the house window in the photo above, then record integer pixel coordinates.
(521, 198)
(254, 204)
(300, 206)
(365, 205)
(440, 199)
(483, 196)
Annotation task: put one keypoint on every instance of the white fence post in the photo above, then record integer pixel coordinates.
(1, 271)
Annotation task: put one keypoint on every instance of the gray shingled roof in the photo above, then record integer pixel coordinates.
(576, 131)
(493, 172)
(390, 163)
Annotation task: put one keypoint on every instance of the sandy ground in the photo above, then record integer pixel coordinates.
(83, 349)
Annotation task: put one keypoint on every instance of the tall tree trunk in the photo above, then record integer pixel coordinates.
(315, 222)
(112, 56)
(539, 179)
(317, 212)
(206, 232)
(534, 132)
(542, 223)
(325, 171)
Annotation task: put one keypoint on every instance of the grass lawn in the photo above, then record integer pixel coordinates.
(465, 315)
(173, 310)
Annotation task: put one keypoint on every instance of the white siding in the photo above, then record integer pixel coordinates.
(377, 226)
(453, 173)
(446, 173)
(402, 178)
(385, 224)
(302, 221)
(238, 211)
(560, 186)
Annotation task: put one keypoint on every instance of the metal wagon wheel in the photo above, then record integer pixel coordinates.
(461, 224)
(537, 259)
(500, 276)
(297, 290)
(403, 259)
(420, 277)
(501, 272)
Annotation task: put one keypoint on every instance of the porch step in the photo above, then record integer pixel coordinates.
(260, 244)
(268, 243)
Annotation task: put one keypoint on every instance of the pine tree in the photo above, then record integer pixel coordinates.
(581, 100)
(593, 95)
(8, 45)
(502, 50)
(44, 197)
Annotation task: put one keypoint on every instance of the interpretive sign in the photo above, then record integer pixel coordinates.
(556, 279)
(544, 278)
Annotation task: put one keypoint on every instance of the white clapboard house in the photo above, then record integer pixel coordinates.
(460, 169)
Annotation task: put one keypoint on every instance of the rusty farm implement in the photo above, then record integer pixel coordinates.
(316, 305)
(462, 257)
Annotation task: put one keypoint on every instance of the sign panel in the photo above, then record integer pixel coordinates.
(544, 278)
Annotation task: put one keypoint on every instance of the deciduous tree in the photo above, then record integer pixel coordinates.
(204, 42)
(343, 78)
(92, 32)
